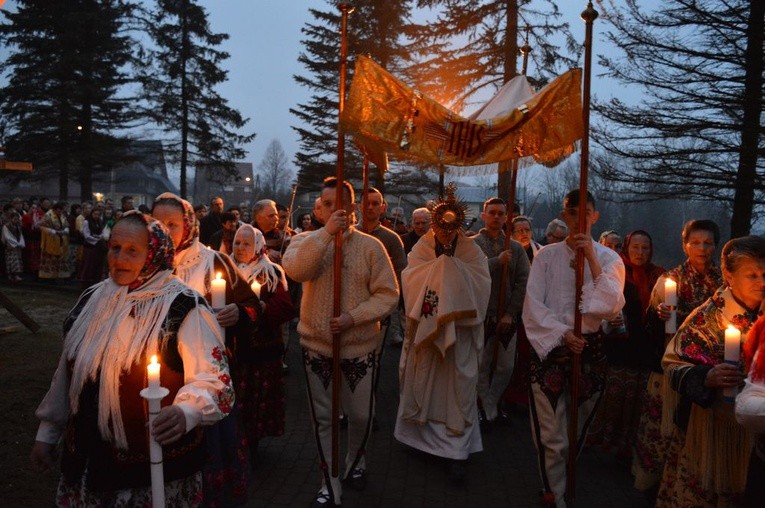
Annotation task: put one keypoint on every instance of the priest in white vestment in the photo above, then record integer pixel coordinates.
(446, 292)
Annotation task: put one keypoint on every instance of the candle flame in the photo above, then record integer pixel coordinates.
(732, 328)
(218, 275)
(153, 359)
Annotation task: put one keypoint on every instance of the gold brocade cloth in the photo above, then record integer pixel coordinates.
(387, 116)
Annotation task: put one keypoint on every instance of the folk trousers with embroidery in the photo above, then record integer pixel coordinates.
(357, 402)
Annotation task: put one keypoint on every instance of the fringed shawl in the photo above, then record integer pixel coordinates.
(258, 266)
(114, 330)
(717, 446)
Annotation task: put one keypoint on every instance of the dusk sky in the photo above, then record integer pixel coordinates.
(264, 46)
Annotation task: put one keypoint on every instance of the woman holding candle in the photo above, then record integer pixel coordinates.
(260, 390)
(627, 347)
(708, 451)
(226, 472)
(94, 405)
(695, 281)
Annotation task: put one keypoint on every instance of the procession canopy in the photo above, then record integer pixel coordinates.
(386, 116)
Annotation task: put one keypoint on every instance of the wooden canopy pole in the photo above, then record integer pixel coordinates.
(588, 15)
(345, 9)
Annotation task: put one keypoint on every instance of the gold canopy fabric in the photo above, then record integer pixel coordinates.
(386, 116)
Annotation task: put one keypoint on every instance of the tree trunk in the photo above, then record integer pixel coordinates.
(511, 55)
(184, 98)
(743, 201)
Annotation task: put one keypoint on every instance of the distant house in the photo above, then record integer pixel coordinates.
(211, 180)
(144, 177)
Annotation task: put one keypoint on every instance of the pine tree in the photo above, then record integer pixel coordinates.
(67, 70)
(179, 80)
(472, 48)
(375, 28)
(699, 65)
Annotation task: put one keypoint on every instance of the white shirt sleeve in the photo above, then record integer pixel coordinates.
(208, 394)
(53, 411)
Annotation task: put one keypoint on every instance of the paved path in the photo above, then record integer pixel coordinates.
(503, 475)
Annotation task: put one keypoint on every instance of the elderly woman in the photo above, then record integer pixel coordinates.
(94, 405)
(261, 388)
(627, 350)
(697, 279)
(523, 234)
(226, 470)
(708, 452)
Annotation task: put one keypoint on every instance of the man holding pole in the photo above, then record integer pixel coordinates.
(548, 315)
(369, 293)
(498, 357)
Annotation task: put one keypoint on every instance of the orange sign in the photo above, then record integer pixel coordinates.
(13, 165)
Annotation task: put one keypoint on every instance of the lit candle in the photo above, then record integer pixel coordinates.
(732, 345)
(670, 299)
(218, 292)
(153, 370)
(732, 356)
(255, 288)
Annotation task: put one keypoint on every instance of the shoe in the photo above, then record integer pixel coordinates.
(503, 417)
(483, 423)
(458, 470)
(323, 500)
(356, 479)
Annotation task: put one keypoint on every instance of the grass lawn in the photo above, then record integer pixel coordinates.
(27, 363)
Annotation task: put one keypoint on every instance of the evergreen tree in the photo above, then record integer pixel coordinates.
(697, 130)
(68, 65)
(472, 48)
(179, 79)
(375, 29)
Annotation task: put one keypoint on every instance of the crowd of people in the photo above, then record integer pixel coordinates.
(485, 323)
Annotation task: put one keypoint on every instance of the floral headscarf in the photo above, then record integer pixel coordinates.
(160, 252)
(190, 224)
(259, 267)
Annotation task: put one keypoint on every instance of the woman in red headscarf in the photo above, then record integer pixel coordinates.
(628, 351)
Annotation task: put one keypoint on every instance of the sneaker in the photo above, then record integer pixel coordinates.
(356, 479)
(323, 500)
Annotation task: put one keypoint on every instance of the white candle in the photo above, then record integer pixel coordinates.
(255, 288)
(153, 370)
(670, 299)
(670, 292)
(218, 292)
(732, 344)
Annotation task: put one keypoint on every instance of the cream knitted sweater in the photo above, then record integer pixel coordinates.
(369, 289)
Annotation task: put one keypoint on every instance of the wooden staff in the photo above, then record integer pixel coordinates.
(364, 191)
(512, 166)
(288, 224)
(345, 9)
(588, 15)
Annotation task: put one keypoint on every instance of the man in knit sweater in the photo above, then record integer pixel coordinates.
(369, 293)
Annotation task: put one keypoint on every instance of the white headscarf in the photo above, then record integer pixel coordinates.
(259, 267)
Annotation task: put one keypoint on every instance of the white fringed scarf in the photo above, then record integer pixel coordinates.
(115, 329)
(259, 267)
(194, 264)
